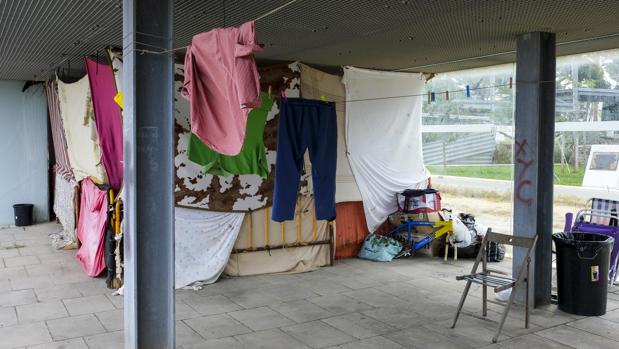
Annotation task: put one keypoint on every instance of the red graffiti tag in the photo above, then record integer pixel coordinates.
(521, 182)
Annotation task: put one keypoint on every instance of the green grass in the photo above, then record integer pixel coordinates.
(563, 176)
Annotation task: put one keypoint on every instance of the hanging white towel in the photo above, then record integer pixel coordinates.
(64, 207)
(203, 243)
(383, 135)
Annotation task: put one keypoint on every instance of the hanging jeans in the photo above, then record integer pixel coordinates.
(305, 124)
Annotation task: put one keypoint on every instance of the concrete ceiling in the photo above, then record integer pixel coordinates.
(421, 35)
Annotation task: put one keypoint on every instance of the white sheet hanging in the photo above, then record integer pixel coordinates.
(314, 85)
(80, 130)
(384, 137)
(203, 242)
(64, 207)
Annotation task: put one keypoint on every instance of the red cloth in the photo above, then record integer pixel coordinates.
(91, 228)
(108, 120)
(222, 85)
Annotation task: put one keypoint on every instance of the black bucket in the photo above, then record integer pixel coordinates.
(23, 214)
(583, 261)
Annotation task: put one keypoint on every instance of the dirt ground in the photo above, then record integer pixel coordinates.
(495, 211)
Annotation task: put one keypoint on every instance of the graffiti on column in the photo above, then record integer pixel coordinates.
(522, 158)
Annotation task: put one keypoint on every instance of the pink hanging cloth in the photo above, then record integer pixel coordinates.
(222, 85)
(91, 228)
(108, 119)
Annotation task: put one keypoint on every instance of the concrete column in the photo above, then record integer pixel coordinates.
(533, 155)
(148, 143)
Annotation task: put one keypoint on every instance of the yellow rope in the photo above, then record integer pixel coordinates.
(251, 231)
(266, 233)
(283, 224)
(314, 227)
(299, 221)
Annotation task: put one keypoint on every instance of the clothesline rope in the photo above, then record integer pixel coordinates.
(262, 16)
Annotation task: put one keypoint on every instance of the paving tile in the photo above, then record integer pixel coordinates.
(217, 326)
(421, 338)
(252, 298)
(529, 341)
(25, 282)
(73, 327)
(599, 326)
(92, 287)
(571, 336)
(12, 272)
(88, 305)
(397, 318)
(325, 286)
(23, 335)
(56, 292)
(301, 311)
(223, 343)
(318, 334)
(21, 261)
(75, 343)
(106, 340)
(211, 305)
(261, 318)
(270, 339)
(183, 311)
(612, 315)
(41, 311)
(185, 335)
(358, 325)
(373, 343)
(13, 298)
(118, 301)
(375, 298)
(112, 320)
(287, 293)
(339, 304)
(8, 316)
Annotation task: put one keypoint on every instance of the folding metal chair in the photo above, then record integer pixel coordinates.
(498, 282)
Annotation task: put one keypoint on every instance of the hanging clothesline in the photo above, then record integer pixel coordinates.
(164, 51)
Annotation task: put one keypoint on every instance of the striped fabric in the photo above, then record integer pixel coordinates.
(610, 207)
(63, 166)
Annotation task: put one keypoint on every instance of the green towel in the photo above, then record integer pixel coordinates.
(252, 158)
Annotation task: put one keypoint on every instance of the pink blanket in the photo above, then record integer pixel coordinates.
(91, 228)
(222, 85)
(108, 120)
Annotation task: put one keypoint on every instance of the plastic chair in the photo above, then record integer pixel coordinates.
(498, 282)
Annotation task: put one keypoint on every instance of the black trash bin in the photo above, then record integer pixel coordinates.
(583, 261)
(23, 214)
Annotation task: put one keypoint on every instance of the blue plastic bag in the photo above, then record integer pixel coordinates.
(379, 248)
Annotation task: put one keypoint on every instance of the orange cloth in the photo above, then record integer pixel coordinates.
(351, 229)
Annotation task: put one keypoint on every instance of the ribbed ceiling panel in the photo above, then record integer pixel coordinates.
(36, 35)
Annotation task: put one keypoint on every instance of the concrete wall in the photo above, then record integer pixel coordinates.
(23, 150)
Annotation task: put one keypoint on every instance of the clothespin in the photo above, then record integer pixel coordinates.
(324, 99)
(282, 94)
(446, 95)
(511, 83)
(429, 98)
(468, 91)
(433, 96)
(269, 92)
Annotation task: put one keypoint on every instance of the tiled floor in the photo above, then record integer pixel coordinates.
(46, 301)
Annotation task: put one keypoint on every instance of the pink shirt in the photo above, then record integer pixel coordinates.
(222, 85)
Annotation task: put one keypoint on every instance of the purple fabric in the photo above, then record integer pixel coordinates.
(108, 120)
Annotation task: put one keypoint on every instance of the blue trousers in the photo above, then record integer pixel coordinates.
(305, 124)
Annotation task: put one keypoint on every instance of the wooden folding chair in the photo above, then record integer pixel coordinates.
(499, 282)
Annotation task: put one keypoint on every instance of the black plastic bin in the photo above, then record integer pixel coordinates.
(583, 261)
(23, 214)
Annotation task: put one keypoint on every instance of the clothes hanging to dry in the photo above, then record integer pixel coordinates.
(91, 228)
(305, 124)
(222, 85)
(63, 165)
(252, 158)
(384, 137)
(80, 130)
(108, 120)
